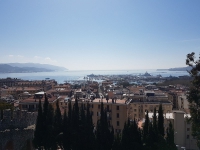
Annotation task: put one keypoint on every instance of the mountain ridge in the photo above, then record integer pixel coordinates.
(28, 67)
(176, 69)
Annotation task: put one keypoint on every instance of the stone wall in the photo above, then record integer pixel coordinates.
(16, 139)
(17, 119)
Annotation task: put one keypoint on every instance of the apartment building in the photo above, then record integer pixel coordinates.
(31, 103)
(116, 110)
(138, 108)
(183, 103)
(146, 100)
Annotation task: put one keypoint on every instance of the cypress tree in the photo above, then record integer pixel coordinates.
(131, 136)
(150, 145)
(90, 137)
(125, 135)
(75, 126)
(57, 123)
(48, 115)
(82, 129)
(65, 132)
(161, 121)
(103, 133)
(50, 137)
(117, 143)
(146, 127)
(170, 137)
(45, 122)
(45, 107)
(38, 133)
(155, 128)
(67, 128)
(107, 98)
(136, 137)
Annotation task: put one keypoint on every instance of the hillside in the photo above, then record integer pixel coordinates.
(176, 69)
(5, 68)
(37, 65)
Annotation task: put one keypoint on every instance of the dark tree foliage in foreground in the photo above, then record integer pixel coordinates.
(103, 134)
(161, 129)
(75, 130)
(153, 132)
(194, 95)
(38, 134)
(170, 137)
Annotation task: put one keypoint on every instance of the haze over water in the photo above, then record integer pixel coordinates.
(60, 77)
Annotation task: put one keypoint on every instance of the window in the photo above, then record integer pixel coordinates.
(117, 107)
(117, 115)
(135, 115)
(188, 136)
(135, 110)
(117, 123)
(99, 106)
(188, 129)
(92, 105)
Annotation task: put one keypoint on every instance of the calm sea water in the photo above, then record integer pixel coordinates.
(60, 77)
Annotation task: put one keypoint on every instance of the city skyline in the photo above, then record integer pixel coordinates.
(99, 35)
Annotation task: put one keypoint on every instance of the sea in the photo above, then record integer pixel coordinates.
(69, 75)
(62, 76)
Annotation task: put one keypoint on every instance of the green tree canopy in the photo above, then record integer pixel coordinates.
(194, 95)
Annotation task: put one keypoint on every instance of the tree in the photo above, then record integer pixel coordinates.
(89, 129)
(67, 128)
(107, 98)
(146, 127)
(57, 123)
(194, 95)
(38, 134)
(131, 136)
(103, 134)
(170, 137)
(155, 120)
(125, 135)
(48, 125)
(161, 129)
(75, 120)
(66, 134)
(71, 93)
(117, 143)
(136, 137)
(50, 137)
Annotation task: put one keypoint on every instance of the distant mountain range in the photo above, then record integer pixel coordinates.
(28, 67)
(176, 69)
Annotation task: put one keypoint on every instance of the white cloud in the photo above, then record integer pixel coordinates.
(50, 60)
(20, 56)
(47, 58)
(10, 55)
(37, 57)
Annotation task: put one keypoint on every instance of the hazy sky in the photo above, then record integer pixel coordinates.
(100, 34)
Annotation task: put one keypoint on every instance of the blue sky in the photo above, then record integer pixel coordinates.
(100, 34)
